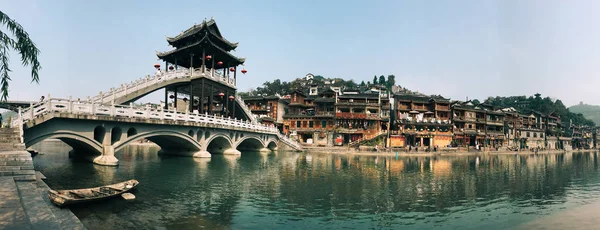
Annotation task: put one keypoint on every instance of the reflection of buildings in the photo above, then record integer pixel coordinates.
(441, 167)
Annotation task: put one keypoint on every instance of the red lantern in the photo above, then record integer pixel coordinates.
(157, 65)
(221, 94)
(171, 96)
(220, 63)
(208, 57)
(244, 71)
(171, 68)
(232, 69)
(231, 98)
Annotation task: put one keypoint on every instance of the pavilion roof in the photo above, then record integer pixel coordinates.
(218, 52)
(206, 26)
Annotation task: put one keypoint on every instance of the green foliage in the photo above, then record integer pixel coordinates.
(362, 84)
(382, 80)
(546, 105)
(391, 81)
(476, 102)
(375, 141)
(282, 87)
(350, 84)
(375, 80)
(591, 112)
(23, 45)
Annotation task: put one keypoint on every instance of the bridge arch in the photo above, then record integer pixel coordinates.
(272, 145)
(99, 133)
(115, 135)
(167, 140)
(250, 144)
(80, 143)
(218, 144)
(131, 132)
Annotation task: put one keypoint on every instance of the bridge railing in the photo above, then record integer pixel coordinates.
(78, 107)
(242, 104)
(290, 142)
(147, 81)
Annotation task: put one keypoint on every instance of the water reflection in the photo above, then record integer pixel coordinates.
(288, 190)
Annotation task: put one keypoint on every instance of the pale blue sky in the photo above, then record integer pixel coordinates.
(454, 48)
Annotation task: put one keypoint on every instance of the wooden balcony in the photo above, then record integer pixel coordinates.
(346, 115)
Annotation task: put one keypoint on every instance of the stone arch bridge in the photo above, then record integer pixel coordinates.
(96, 131)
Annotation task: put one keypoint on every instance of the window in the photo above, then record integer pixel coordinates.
(311, 124)
(298, 124)
(304, 124)
(541, 135)
(323, 124)
(470, 126)
(534, 134)
(528, 134)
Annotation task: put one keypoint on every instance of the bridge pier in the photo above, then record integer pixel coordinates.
(265, 150)
(232, 151)
(108, 157)
(202, 154)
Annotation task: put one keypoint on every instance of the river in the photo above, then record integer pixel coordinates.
(287, 190)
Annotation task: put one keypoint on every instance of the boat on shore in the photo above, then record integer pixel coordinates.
(63, 198)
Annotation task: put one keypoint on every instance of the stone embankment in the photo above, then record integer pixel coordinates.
(24, 203)
(444, 152)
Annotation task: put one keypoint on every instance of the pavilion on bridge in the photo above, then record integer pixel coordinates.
(206, 53)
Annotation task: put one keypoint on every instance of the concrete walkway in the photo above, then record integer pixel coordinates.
(24, 203)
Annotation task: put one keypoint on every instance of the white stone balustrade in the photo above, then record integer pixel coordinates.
(78, 107)
(242, 104)
(147, 81)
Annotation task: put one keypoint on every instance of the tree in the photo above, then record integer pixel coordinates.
(350, 84)
(375, 80)
(476, 102)
(362, 84)
(368, 83)
(382, 80)
(23, 45)
(391, 81)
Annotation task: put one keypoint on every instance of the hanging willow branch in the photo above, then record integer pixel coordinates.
(23, 45)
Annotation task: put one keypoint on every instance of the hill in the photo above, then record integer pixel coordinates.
(545, 105)
(591, 112)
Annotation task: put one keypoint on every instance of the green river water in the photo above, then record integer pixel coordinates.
(286, 190)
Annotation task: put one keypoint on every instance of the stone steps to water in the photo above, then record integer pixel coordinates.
(24, 196)
(37, 210)
(66, 219)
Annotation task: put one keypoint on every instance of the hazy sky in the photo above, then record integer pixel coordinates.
(454, 48)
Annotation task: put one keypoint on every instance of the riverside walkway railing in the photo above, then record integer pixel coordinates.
(51, 105)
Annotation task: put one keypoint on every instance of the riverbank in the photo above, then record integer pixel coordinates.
(24, 203)
(350, 151)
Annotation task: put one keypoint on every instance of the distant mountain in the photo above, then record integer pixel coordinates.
(591, 112)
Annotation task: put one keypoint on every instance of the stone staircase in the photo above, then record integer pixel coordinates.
(362, 140)
(10, 140)
(24, 202)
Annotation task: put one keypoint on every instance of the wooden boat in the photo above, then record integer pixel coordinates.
(63, 198)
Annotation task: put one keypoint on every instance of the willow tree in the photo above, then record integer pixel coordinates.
(19, 41)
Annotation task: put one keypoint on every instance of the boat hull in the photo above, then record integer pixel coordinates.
(62, 198)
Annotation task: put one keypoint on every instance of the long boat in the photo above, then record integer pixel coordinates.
(63, 198)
